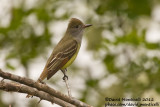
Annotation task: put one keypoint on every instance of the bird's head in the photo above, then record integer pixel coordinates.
(76, 27)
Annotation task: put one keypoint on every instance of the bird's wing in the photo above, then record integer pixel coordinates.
(61, 58)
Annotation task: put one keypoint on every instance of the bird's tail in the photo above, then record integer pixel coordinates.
(40, 79)
(43, 75)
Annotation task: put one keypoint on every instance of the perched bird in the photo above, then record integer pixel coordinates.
(65, 51)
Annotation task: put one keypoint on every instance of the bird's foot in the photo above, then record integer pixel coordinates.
(65, 77)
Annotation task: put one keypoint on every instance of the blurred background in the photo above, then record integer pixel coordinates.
(119, 56)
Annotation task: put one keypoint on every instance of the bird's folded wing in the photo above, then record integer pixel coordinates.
(61, 58)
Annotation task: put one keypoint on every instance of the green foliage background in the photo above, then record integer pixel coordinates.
(119, 30)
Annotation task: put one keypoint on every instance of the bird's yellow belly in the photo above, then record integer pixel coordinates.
(71, 60)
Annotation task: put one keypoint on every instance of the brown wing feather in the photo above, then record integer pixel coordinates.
(59, 60)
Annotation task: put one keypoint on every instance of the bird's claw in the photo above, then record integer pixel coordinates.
(65, 77)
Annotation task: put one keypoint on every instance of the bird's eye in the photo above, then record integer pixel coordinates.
(77, 26)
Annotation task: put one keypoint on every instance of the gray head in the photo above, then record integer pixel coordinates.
(76, 28)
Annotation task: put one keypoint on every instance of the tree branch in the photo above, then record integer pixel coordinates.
(16, 87)
(42, 87)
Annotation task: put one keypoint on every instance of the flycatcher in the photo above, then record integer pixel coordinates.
(65, 51)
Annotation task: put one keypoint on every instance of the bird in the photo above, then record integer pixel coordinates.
(65, 52)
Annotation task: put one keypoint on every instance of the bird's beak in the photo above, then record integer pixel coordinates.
(87, 25)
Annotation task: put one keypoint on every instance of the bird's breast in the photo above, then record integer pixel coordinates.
(72, 59)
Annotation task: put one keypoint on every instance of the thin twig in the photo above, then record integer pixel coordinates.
(68, 87)
(42, 87)
(16, 87)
